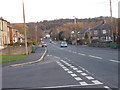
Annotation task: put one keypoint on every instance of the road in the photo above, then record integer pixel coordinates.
(80, 67)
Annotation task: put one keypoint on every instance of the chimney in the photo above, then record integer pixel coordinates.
(103, 22)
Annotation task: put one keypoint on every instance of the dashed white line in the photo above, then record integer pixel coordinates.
(89, 77)
(74, 75)
(107, 87)
(66, 69)
(84, 74)
(75, 68)
(79, 71)
(114, 61)
(78, 78)
(83, 83)
(81, 54)
(72, 66)
(96, 82)
(69, 72)
(95, 57)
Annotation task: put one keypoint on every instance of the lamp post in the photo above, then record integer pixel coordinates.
(26, 50)
(111, 21)
(36, 33)
(75, 31)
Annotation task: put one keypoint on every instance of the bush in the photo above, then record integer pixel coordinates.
(95, 41)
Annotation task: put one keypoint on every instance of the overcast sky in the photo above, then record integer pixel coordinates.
(39, 10)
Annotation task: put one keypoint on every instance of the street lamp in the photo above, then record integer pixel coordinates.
(75, 30)
(36, 33)
(111, 21)
(26, 50)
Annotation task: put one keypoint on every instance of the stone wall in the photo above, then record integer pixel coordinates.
(15, 50)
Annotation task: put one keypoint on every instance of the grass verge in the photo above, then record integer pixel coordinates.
(11, 58)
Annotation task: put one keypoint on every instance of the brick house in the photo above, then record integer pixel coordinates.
(101, 32)
(4, 32)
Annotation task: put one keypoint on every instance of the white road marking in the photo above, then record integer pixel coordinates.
(69, 64)
(75, 68)
(84, 74)
(61, 86)
(114, 61)
(78, 78)
(66, 69)
(107, 87)
(89, 77)
(69, 72)
(74, 75)
(83, 83)
(96, 82)
(95, 57)
(72, 66)
(79, 71)
(62, 65)
(81, 54)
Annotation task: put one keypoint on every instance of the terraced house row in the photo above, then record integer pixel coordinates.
(8, 34)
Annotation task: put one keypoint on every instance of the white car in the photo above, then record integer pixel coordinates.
(63, 44)
(44, 45)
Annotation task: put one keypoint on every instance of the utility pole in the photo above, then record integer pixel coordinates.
(111, 21)
(36, 33)
(75, 21)
(26, 49)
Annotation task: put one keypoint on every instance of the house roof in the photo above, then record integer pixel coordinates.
(84, 30)
(102, 26)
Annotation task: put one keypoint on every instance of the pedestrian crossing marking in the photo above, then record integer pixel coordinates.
(78, 78)
(83, 83)
(89, 77)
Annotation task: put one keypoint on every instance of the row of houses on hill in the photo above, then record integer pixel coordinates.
(100, 32)
(9, 34)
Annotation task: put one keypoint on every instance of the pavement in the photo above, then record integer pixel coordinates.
(31, 57)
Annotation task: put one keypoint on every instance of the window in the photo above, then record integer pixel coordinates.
(104, 32)
(95, 32)
(95, 38)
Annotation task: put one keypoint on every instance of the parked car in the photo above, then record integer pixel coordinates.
(63, 44)
(44, 45)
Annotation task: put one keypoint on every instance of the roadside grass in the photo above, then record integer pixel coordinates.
(11, 58)
(56, 41)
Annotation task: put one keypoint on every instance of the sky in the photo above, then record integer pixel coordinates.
(39, 10)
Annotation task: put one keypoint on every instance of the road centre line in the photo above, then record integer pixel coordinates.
(114, 61)
(95, 57)
(82, 54)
